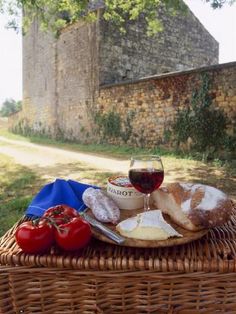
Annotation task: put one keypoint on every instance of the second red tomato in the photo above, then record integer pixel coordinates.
(73, 235)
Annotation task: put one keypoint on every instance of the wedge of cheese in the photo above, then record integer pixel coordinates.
(148, 225)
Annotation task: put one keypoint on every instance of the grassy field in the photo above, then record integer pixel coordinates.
(17, 187)
(19, 184)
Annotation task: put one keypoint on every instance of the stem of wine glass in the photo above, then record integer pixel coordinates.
(146, 202)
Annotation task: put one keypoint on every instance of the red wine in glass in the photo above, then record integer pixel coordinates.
(146, 181)
(146, 174)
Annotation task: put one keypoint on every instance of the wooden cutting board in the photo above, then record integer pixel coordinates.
(188, 236)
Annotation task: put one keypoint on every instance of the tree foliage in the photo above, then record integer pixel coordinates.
(54, 15)
(9, 107)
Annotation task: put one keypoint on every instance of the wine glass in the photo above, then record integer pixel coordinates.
(146, 174)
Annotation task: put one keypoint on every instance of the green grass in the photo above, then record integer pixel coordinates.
(18, 185)
(116, 151)
(119, 152)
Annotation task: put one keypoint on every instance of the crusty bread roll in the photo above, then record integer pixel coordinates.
(193, 206)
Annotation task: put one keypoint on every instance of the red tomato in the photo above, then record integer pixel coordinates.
(34, 238)
(61, 214)
(73, 235)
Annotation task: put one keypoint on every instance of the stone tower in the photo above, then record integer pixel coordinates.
(61, 77)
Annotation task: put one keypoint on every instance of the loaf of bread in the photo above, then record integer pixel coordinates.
(193, 206)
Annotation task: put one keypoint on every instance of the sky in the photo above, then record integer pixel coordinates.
(220, 23)
(10, 63)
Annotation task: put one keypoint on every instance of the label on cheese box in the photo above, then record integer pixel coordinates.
(123, 193)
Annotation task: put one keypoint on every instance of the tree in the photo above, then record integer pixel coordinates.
(54, 15)
(9, 107)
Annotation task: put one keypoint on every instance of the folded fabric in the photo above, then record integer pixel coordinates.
(59, 192)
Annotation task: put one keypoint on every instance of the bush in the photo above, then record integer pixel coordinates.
(109, 123)
(204, 124)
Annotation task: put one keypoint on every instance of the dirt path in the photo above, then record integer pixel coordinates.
(51, 163)
(33, 155)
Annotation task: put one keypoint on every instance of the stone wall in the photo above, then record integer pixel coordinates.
(77, 79)
(60, 79)
(39, 84)
(152, 103)
(61, 76)
(183, 44)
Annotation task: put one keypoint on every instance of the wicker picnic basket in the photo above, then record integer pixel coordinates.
(198, 277)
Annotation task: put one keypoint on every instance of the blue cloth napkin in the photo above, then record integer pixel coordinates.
(58, 192)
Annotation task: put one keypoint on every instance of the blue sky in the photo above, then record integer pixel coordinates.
(220, 23)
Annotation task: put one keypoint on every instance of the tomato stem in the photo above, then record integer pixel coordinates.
(52, 222)
(35, 222)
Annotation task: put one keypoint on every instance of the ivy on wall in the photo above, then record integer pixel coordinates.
(23, 127)
(201, 122)
(111, 125)
(127, 128)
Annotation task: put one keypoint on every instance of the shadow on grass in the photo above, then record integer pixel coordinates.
(220, 177)
(76, 171)
(18, 184)
(18, 187)
(210, 174)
